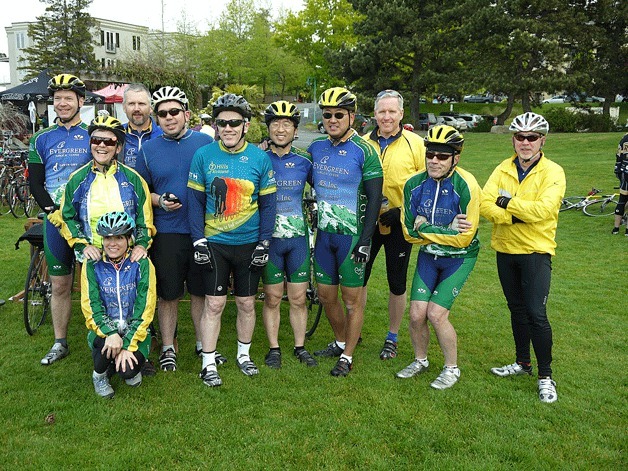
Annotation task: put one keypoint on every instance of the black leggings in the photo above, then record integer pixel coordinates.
(397, 251)
(525, 280)
(101, 362)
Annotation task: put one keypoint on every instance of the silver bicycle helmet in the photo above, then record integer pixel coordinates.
(232, 102)
(530, 122)
(169, 94)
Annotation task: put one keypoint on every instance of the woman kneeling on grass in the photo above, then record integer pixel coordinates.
(118, 301)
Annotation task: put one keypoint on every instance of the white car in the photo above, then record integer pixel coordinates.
(458, 123)
(556, 99)
(472, 120)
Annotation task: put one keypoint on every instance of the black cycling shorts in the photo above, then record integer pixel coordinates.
(172, 255)
(231, 260)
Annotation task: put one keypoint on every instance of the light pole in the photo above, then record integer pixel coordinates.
(314, 99)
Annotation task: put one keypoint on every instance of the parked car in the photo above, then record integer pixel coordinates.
(426, 120)
(472, 120)
(478, 99)
(556, 99)
(458, 123)
(360, 124)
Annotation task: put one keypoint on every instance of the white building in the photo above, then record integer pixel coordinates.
(114, 41)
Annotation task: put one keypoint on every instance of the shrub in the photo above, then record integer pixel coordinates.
(563, 120)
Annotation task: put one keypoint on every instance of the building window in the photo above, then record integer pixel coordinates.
(102, 37)
(136, 43)
(103, 62)
(110, 45)
(19, 40)
(117, 39)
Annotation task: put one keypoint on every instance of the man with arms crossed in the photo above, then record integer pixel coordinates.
(522, 198)
(347, 178)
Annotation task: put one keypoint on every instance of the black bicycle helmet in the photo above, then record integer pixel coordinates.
(232, 102)
(110, 124)
(115, 223)
(282, 109)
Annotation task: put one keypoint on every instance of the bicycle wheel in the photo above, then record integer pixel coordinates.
(37, 293)
(314, 309)
(604, 207)
(16, 204)
(30, 205)
(5, 184)
(571, 202)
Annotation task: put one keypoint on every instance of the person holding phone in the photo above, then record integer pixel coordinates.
(164, 162)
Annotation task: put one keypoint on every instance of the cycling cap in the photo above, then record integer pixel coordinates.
(443, 138)
(282, 109)
(204, 116)
(169, 94)
(338, 97)
(232, 102)
(530, 122)
(115, 223)
(66, 82)
(110, 124)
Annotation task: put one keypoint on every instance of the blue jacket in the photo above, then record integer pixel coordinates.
(134, 140)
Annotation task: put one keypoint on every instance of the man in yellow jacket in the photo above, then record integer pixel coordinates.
(522, 198)
(402, 154)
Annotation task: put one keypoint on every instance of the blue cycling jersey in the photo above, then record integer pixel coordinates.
(61, 151)
(165, 164)
(292, 171)
(231, 184)
(134, 140)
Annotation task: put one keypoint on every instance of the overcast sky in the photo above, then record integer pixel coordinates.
(140, 12)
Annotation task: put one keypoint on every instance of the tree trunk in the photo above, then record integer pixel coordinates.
(525, 102)
(501, 119)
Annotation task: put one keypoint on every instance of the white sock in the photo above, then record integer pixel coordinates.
(423, 361)
(243, 351)
(199, 345)
(341, 344)
(209, 359)
(346, 357)
(99, 375)
(167, 347)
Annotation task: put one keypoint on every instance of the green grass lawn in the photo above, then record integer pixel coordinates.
(298, 418)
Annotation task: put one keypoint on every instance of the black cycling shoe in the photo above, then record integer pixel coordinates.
(389, 350)
(332, 350)
(273, 359)
(305, 357)
(342, 368)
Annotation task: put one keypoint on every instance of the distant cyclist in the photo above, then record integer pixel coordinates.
(621, 172)
(522, 198)
(289, 254)
(54, 153)
(347, 177)
(118, 301)
(441, 213)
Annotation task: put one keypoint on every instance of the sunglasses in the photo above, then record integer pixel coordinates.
(337, 115)
(171, 112)
(108, 141)
(528, 137)
(429, 155)
(388, 92)
(234, 123)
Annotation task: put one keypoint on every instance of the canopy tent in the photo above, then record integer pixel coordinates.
(113, 93)
(36, 89)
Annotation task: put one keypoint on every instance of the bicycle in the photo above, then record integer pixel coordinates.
(37, 288)
(314, 306)
(14, 186)
(591, 204)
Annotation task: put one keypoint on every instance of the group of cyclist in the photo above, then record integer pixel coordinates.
(221, 215)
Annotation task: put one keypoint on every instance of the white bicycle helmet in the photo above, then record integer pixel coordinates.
(530, 122)
(168, 94)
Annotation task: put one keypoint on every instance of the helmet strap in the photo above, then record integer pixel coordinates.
(71, 118)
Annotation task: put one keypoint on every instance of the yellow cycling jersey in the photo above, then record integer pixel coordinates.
(535, 201)
(401, 159)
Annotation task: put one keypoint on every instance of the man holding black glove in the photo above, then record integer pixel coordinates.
(231, 190)
(402, 154)
(347, 177)
(522, 198)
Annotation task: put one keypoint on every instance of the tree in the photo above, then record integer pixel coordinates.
(62, 40)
